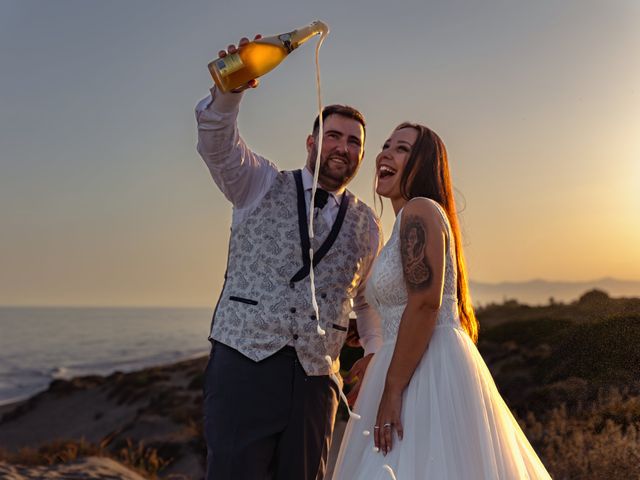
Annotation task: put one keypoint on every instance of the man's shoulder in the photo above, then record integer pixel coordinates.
(288, 173)
(284, 175)
(357, 202)
(364, 209)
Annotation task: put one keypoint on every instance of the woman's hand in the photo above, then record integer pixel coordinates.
(388, 419)
(355, 377)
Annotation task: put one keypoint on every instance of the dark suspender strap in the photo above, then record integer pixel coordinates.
(305, 244)
(333, 234)
(304, 231)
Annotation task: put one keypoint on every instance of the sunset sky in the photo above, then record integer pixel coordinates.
(105, 201)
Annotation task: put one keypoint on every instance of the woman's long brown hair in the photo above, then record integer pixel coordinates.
(426, 174)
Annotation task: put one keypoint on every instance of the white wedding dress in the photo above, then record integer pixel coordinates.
(456, 424)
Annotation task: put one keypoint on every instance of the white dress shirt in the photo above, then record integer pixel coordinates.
(245, 177)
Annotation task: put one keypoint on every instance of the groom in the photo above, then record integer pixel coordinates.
(268, 399)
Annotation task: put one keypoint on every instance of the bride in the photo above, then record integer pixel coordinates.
(429, 407)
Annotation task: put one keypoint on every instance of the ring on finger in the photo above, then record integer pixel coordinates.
(387, 425)
(376, 427)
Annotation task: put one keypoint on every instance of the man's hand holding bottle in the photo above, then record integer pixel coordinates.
(253, 83)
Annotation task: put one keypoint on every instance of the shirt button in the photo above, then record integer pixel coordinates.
(292, 285)
(323, 295)
(295, 336)
(313, 317)
(292, 309)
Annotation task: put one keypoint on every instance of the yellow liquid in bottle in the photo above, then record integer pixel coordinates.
(257, 59)
(261, 56)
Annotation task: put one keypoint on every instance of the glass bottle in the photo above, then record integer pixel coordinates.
(260, 56)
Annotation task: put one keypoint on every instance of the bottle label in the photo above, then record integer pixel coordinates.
(229, 64)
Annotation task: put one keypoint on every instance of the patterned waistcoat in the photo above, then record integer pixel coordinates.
(266, 300)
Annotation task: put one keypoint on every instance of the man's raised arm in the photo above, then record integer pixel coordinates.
(242, 175)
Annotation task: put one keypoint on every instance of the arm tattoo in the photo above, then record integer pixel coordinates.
(413, 239)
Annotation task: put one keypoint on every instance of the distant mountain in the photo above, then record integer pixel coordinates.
(538, 292)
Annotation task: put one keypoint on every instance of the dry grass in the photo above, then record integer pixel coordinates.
(142, 459)
(575, 383)
(599, 441)
(136, 456)
(60, 451)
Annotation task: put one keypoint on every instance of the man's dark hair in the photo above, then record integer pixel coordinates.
(342, 110)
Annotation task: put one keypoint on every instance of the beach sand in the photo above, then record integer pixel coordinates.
(153, 414)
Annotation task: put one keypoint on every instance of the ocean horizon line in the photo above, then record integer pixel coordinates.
(473, 282)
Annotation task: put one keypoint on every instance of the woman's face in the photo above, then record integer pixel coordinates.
(391, 161)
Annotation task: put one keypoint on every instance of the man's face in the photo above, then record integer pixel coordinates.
(342, 151)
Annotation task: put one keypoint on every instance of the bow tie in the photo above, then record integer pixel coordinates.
(320, 200)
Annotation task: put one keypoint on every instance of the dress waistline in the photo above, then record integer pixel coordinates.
(439, 326)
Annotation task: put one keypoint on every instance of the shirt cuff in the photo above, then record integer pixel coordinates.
(224, 102)
(371, 345)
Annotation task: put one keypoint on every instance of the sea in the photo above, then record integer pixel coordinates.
(38, 345)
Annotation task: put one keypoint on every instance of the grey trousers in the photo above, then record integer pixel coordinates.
(266, 420)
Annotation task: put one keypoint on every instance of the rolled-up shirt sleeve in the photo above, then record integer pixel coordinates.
(242, 175)
(367, 318)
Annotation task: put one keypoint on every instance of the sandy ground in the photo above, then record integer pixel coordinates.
(158, 408)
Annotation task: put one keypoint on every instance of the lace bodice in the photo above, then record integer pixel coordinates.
(386, 289)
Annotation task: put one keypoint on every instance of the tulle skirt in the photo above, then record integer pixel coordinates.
(456, 424)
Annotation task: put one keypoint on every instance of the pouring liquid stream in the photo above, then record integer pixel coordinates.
(314, 301)
(316, 172)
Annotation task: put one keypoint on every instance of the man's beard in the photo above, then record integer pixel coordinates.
(329, 177)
